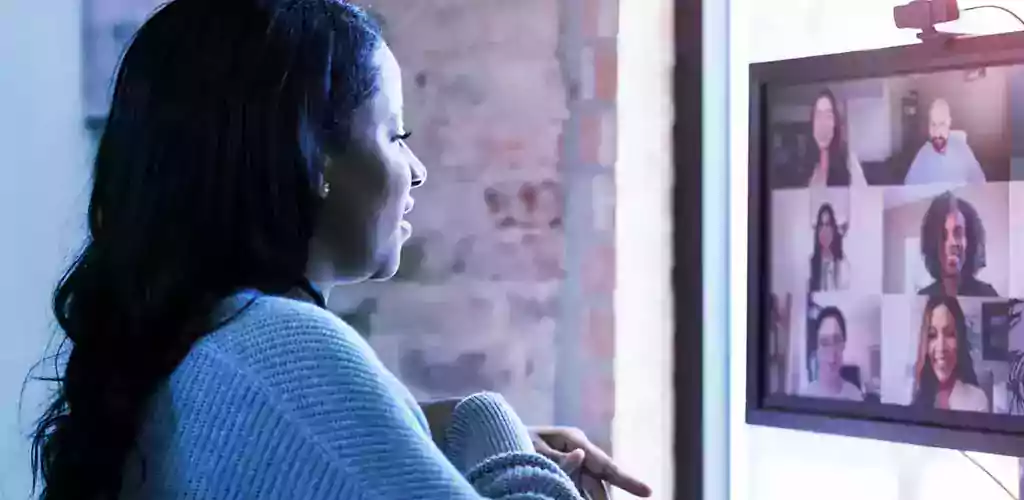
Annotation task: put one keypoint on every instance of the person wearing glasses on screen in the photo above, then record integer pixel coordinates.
(952, 245)
(827, 338)
(830, 269)
(834, 163)
(946, 157)
(944, 371)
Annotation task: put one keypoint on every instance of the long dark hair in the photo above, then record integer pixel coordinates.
(838, 151)
(927, 384)
(836, 248)
(204, 184)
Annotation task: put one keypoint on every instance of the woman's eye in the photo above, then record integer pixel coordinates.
(402, 137)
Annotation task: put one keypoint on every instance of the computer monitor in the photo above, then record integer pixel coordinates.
(886, 244)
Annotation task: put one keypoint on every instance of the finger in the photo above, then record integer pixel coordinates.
(554, 437)
(572, 461)
(599, 464)
(615, 477)
(543, 448)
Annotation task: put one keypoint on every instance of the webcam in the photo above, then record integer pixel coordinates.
(925, 14)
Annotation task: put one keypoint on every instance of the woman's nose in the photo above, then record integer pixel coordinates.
(419, 171)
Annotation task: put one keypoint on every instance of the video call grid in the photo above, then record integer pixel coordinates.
(892, 240)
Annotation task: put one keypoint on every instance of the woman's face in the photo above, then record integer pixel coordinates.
(830, 348)
(942, 346)
(824, 122)
(826, 230)
(362, 229)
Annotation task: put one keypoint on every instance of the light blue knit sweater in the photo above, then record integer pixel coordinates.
(285, 401)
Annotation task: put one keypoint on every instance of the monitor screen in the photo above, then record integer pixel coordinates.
(894, 262)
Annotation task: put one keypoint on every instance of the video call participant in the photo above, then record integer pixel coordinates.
(951, 238)
(781, 308)
(827, 337)
(835, 164)
(944, 371)
(945, 157)
(829, 268)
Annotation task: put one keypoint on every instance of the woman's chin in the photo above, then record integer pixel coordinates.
(388, 267)
(383, 275)
(387, 262)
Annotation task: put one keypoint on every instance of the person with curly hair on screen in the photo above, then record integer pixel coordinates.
(944, 372)
(952, 245)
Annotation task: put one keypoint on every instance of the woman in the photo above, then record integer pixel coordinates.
(246, 169)
(830, 270)
(827, 340)
(944, 372)
(834, 164)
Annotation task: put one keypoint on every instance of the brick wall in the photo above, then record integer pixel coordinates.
(507, 282)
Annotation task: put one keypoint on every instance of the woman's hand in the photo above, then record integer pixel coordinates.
(589, 466)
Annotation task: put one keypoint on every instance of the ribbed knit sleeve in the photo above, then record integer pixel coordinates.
(287, 401)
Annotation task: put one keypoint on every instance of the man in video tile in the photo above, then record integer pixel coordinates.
(946, 157)
(952, 245)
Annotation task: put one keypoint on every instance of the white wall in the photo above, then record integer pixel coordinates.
(42, 159)
(643, 306)
(776, 464)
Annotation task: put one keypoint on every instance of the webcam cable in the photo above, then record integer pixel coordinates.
(989, 474)
(997, 7)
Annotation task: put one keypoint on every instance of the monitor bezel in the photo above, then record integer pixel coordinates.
(954, 430)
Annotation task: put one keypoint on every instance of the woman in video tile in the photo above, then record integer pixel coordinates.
(952, 245)
(828, 340)
(835, 164)
(944, 372)
(829, 268)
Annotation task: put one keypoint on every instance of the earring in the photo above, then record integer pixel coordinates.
(325, 187)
